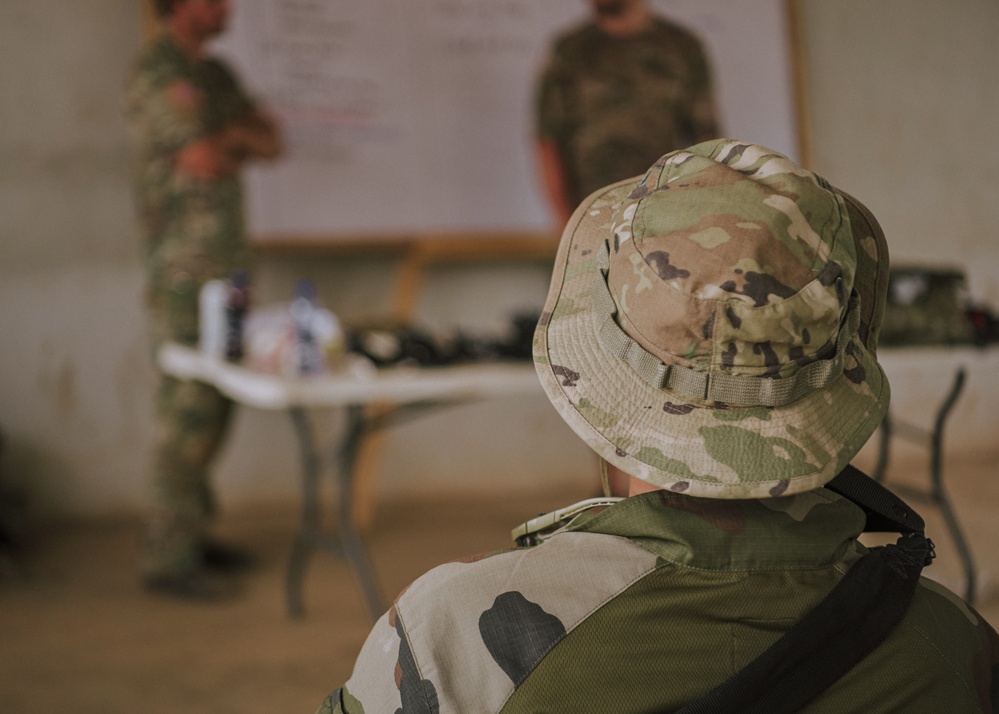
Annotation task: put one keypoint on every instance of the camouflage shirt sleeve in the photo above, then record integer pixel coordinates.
(171, 100)
(385, 674)
(231, 102)
(554, 106)
(163, 105)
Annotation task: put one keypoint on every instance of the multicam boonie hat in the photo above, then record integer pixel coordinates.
(712, 330)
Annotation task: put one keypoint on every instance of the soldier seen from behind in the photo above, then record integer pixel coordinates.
(711, 333)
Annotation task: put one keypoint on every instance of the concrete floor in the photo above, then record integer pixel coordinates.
(78, 634)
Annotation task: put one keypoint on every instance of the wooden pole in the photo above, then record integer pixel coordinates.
(799, 71)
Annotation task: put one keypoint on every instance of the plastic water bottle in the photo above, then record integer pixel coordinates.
(237, 305)
(308, 355)
(211, 318)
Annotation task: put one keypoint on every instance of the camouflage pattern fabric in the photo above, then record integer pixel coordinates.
(708, 328)
(615, 104)
(194, 233)
(192, 420)
(730, 270)
(650, 603)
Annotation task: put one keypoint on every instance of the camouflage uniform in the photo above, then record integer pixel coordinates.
(711, 329)
(194, 233)
(615, 104)
(646, 605)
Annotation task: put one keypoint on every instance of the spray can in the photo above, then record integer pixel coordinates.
(211, 318)
(237, 305)
(308, 355)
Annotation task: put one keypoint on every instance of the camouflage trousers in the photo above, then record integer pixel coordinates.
(192, 420)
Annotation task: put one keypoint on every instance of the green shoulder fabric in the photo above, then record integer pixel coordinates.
(695, 621)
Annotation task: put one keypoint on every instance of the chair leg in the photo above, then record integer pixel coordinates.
(943, 503)
(939, 495)
(884, 444)
(936, 494)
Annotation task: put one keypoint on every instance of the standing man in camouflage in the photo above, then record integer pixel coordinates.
(614, 95)
(193, 127)
(617, 93)
(711, 333)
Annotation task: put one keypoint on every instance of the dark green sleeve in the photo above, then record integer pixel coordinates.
(229, 100)
(987, 667)
(163, 108)
(554, 104)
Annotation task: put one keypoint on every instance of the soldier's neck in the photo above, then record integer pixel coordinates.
(190, 42)
(634, 21)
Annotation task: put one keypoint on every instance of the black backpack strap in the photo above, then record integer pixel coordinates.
(846, 626)
(886, 512)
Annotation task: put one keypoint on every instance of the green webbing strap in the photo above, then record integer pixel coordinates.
(716, 386)
(856, 616)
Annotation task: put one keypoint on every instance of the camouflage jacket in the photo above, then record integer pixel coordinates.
(648, 604)
(194, 226)
(615, 104)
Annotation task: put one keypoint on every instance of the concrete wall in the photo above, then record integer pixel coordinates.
(904, 104)
(74, 383)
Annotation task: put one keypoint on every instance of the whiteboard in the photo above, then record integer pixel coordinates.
(404, 117)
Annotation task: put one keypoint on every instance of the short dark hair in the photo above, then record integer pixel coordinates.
(164, 8)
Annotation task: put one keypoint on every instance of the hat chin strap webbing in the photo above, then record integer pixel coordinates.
(855, 616)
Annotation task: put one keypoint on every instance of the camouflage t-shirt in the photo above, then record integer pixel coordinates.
(194, 226)
(616, 104)
(647, 605)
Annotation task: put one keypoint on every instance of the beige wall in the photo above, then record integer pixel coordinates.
(904, 106)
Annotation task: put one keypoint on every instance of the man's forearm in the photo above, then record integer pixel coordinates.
(552, 168)
(255, 136)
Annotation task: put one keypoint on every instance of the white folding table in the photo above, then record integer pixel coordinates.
(410, 390)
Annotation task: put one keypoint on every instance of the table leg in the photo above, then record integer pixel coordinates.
(310, 536)
(350, 538)
(309, 526)
(936, 494)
